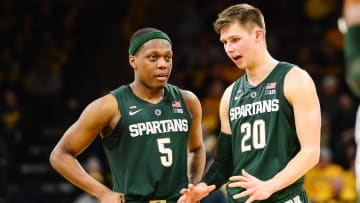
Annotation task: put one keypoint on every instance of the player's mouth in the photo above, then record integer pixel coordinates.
(237, 59)
(162, 77)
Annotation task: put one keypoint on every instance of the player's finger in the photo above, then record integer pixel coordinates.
(250, 199)
(183, 191)
(242, 194)
(211, 188)
(247, 175)
(240, 184)
(238, 178)
(180, 200)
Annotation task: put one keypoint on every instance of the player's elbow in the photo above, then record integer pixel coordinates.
(55, 157)
(313, 154)
(198, 149)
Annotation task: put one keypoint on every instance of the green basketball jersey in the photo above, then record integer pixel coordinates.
(147, 152)
(263, 130)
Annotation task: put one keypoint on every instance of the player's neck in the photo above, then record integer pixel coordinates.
(261, 69)
(148, 94)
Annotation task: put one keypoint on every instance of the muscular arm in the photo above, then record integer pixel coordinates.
(301, 94)
(77, 138)
(196, 157)
(222, 167)
(224, 110)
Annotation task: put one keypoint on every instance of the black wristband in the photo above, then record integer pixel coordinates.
(222, 167)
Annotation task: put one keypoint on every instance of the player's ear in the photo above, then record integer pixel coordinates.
(132, 61)
(259, 34)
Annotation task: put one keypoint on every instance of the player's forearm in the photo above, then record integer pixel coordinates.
(296, 168)
(222, 167)
(66, 165)
(196, 166)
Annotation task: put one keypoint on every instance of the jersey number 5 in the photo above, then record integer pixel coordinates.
(167, 156)
(253, 135)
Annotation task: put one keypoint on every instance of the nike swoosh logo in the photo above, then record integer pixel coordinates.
(131, 113)
(237, 97)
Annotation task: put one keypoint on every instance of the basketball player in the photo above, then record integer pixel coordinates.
(270, 120)
(351, 31)
(151, 131)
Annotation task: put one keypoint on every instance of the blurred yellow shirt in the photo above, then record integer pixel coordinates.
(322, 184)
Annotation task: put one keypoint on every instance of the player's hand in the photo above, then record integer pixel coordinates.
(193, 194)
(112, 197)
(254, 188)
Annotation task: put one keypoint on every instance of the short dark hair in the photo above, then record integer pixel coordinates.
(143, 35)
(141, 32)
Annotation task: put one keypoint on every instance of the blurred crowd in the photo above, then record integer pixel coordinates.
(57, 55)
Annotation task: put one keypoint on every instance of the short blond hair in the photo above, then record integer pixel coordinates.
(245, 14)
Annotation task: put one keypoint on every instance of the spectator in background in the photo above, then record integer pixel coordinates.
(344, 119)
(329, 94)
(3, 170)
(10, 69)
(11, 138)
(328, 182)
(44, 86)
(210, 104)
(350, 26)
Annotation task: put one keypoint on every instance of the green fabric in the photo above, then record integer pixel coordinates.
(147, 152)
(262, 122)
(352, 58)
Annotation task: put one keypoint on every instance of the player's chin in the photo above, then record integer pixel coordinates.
(160, 85)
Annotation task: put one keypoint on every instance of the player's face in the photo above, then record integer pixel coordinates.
(153, 63)
(238, 44)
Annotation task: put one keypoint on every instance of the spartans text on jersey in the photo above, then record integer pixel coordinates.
(157, 127)
(254, 108)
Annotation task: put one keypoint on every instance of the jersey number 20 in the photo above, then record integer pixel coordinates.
(253, 135)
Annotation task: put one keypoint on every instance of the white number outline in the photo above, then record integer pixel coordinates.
(296, 199)
(167, 157)
(255, 132)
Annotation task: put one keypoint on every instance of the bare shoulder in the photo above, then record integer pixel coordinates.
(224, 110)
(192, 101)
(188, 95)
(298, 83)
(226, 96)
(104, 107)
(105, 103)
(296, 72)
(228, 90)
(298, 78)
